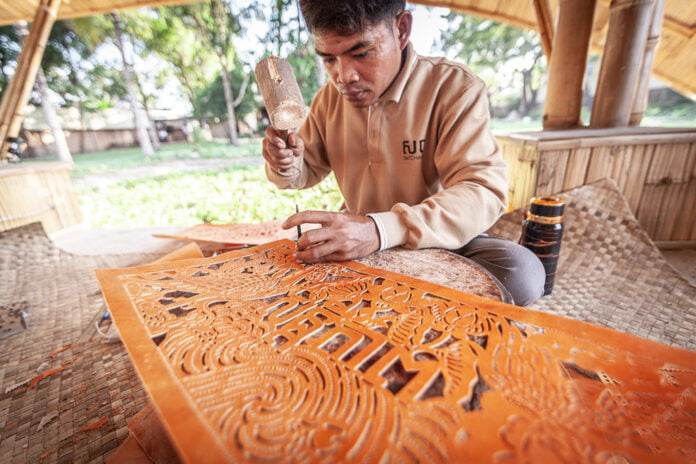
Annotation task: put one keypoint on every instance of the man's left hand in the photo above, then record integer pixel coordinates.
(342, 236)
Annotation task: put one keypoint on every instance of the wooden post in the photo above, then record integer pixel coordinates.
(629, 22)
(571, 43)
(544, 19)
(17, 92)
(640, 101)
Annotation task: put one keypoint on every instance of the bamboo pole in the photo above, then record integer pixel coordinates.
(571, 43)
(629, 22)
(17, 92)
(544, 19)
(640, 101)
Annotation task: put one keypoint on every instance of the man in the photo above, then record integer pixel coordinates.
(407, 138)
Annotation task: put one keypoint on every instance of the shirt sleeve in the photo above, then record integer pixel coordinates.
(474, 179)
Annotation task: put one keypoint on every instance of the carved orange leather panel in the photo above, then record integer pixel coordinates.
(249, 357)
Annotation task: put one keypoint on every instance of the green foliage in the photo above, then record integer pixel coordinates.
(288, 37)
(304, 65)
(286, 32)
(9, 52)
(506, 57)
(210, 99)
(237, 194)
(114, 160)
(192, 62)
(72, 74)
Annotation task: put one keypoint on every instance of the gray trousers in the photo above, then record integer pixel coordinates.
(515, 267)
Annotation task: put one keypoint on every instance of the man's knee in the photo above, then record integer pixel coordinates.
(516, 267)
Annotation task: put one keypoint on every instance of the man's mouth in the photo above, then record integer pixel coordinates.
(354, 94)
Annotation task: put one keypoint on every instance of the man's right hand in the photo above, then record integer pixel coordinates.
(281, 154)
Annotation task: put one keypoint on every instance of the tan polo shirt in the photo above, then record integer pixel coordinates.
(422, 158)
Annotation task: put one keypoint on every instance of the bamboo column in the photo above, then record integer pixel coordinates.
(640, 101)
(629, 22)
(571, 43)
(17, 92)
(544, 19)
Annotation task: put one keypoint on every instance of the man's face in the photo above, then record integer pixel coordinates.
(363, 65)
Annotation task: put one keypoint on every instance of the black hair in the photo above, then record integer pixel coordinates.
(346, 17)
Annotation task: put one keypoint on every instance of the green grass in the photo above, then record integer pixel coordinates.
(111, 160)
(236, 194)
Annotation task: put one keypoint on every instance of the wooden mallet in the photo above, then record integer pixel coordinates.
(281, 94)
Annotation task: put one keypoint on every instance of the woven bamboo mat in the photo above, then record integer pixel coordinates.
(58, 290)
(12, 318)
(610, 273)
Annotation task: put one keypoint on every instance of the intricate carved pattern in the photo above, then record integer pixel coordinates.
(281, 362)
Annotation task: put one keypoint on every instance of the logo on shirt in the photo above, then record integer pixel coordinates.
(412, 149)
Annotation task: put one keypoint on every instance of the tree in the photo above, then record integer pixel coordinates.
(73, 75)
(191, 61)
(99, 30)
(489, 48)
(210, 100)
(140, 121)
(65, 70)
(9, 52)
(287, 36)
(218, 26)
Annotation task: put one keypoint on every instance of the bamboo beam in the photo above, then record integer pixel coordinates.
(79, 9)
(522, 23)
(629, 22)
(17, 92)
(544, 19)
(640, 100)
(567, 65)
(679, 28)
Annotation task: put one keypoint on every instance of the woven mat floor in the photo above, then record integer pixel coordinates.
(610, 273)
(59, 292)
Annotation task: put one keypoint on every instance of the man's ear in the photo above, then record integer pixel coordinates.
(403, 24)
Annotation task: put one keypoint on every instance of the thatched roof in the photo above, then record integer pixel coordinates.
(12, 11)
(675, 62)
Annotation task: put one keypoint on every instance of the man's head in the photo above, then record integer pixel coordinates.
(360, 42)
(348, 17)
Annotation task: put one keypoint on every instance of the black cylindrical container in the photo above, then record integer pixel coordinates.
(542, 232)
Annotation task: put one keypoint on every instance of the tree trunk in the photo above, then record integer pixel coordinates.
(140, 122)
(154, 138)
(188, 87)
(229, 103)
(83, 124)
(49, 111)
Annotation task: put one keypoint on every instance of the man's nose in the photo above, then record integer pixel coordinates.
(346, 72)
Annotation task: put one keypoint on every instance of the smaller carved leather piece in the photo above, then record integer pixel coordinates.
(242, 233)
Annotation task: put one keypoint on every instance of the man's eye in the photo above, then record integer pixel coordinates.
(360, 55)
(329, 60)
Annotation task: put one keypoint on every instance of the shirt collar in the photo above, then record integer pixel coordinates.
(396, 89)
